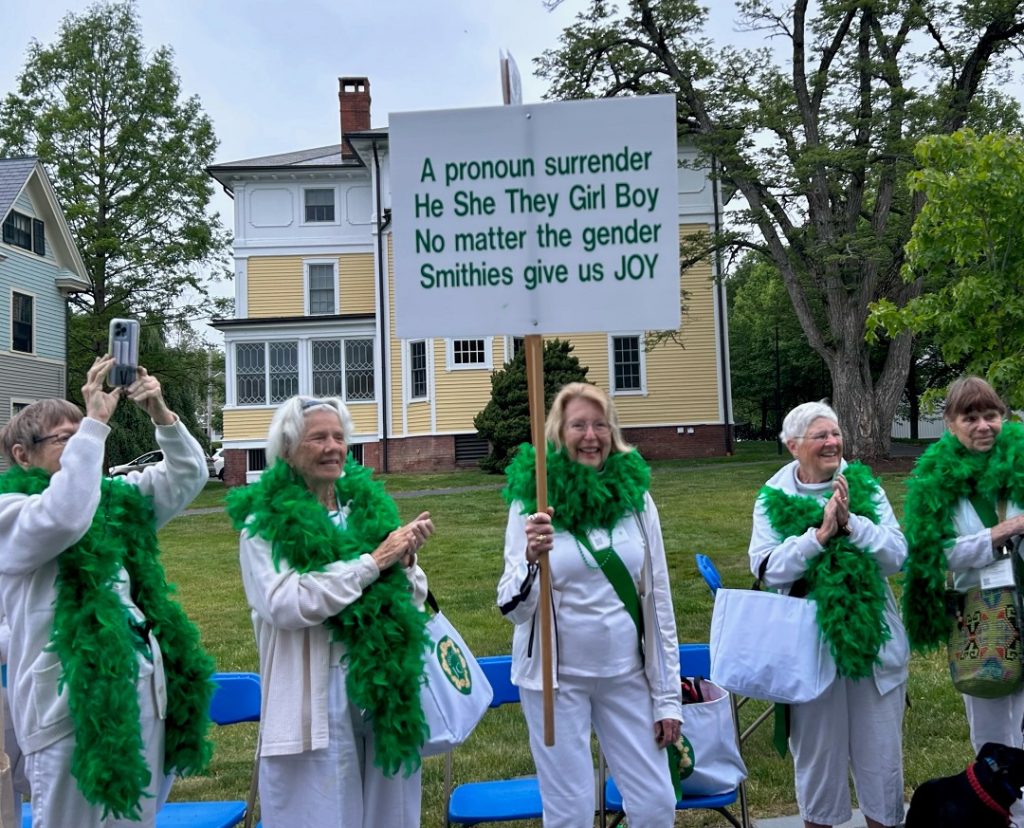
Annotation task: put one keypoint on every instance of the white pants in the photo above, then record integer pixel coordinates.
(56, 800)
(995, 720)
(620, 711)
(849, 727)
(338, 785)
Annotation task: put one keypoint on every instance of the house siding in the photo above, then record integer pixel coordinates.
(275, 286)
(26, 379)
(356, 273)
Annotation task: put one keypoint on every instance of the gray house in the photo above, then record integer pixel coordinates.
(39, 267)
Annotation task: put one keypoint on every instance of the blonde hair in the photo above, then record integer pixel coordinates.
(555, 423)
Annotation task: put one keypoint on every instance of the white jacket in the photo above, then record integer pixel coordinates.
(788, 559)
(518, 596)
(36, 529)
(296, 651)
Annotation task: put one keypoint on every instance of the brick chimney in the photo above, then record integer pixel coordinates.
(354, 106)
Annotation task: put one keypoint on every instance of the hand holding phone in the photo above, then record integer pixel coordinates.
(124, 348)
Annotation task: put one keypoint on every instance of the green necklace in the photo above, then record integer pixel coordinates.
(944, 474)
(845, 582)
(583, 497)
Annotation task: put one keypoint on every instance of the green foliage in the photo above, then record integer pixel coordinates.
(966, 247)
(127, 156)
(816, 135)
(762, 328)
(505, 420)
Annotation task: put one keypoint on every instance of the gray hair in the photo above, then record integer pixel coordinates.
(34, 421)
(290, 422)
(800, 418)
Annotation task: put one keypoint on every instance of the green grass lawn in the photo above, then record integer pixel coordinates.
(705, 506)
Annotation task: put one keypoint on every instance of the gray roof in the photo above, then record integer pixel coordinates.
(14, 172)
(317, 157)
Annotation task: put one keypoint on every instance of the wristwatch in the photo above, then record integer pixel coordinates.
(1000, 552)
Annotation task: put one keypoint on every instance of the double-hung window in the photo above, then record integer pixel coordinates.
(627, 364)
(321, 279)
(22, 323)
(319, 204)
(418, 369)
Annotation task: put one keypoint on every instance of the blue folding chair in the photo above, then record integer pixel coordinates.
(708, 573)
(694, 660)
(236, 699)
(495, 800)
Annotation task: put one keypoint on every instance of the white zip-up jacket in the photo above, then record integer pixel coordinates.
(518, 596)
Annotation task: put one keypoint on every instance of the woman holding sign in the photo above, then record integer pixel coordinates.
(616, 658)
(965, 504)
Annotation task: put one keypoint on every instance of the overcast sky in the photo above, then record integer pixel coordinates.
(266, 71)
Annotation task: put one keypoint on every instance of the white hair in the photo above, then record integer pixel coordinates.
(800, 418)
(290, 422)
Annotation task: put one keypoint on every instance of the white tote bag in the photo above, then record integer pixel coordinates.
(768, 646)
(708, 725)
(455, 692)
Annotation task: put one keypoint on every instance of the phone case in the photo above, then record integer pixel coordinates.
(124, 347)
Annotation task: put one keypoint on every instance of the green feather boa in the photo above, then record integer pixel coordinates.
(99, 651)
(944, 474)
(583, 497)
(384, 634)
(844, 580)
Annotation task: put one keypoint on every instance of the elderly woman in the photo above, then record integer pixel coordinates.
(615, 657)
(336, 599)
(109, 687)
(959, 486)
(824, 528)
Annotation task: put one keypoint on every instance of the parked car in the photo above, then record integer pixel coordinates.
(150, 458)
(218, 464)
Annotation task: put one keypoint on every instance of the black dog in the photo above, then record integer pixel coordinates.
(979, 797)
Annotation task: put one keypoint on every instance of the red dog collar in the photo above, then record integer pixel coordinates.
(983, 795)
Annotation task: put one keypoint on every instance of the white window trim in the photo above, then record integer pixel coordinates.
(305, 284)
(306, 379)
(486, 365)
(508, 346)
(631, 392)
(232, 392)
(302, 206)
(10, 325)
(428, 353)
(21, 401)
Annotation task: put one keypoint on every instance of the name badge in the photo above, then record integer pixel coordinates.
(997, 574)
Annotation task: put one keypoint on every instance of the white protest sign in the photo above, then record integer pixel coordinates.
(545, 218)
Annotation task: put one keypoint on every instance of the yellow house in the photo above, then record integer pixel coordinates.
(314, 314)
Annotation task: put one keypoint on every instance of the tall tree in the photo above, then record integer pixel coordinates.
(127, 155)
(819, 148)
(771, 364)
(967, 241)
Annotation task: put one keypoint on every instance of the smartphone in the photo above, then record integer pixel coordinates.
(124, 347)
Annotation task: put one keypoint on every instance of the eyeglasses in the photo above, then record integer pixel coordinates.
(580, 427)
(60, 439)
(822, 436)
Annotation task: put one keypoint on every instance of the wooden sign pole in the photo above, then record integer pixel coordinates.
(535, 392)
